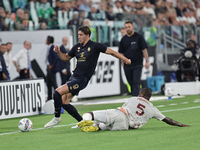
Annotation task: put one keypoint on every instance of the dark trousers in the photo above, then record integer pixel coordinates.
(64, 78)
(24, 74)
(1, 75)
(51, 82)
(133, 75)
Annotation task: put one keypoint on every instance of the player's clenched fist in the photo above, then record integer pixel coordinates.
(128, 62)
(56, 49)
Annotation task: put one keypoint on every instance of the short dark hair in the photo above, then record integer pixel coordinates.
(50, 39)
(85, 30)
(25, 42)
(146, 93)
(190, 42)
(128, 21)
(3, 44)
(8, 43)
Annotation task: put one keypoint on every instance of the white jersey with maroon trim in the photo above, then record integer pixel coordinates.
(140, 110)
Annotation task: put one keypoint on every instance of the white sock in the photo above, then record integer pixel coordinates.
(100, 115)
(87, 116)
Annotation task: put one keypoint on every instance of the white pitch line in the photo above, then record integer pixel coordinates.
(38, 129)
(160, 106)
(173, 104)
(196, 100)
(184, 102)
(180, 109)
(76, 123)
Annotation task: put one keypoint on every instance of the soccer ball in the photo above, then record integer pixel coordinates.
(169, 92)
(25, 125)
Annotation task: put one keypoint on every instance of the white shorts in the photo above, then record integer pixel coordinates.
(115, 119)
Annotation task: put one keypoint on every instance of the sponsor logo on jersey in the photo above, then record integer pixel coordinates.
(133, 42)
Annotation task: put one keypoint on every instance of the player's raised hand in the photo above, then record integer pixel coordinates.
(56, 49)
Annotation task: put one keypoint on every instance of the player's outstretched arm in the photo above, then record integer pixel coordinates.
(64, 57)
(118, 55)
(173, 123)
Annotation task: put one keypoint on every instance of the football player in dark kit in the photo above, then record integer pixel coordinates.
(134, 47)
(86, 53)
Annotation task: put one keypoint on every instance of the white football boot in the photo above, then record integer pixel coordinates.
(74, 127)
(53, 122)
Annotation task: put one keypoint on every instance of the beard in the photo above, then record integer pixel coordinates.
(129, 32)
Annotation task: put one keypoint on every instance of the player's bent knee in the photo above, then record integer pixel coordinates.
(56, 95)
(66, 98)
(63, 89)
(102, 126)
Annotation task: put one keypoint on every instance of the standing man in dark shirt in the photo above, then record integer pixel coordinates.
(65, 72)
(87, 53)
(52, 62)
(134, 47)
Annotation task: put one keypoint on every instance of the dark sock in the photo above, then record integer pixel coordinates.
(57, 103)
(72, 111)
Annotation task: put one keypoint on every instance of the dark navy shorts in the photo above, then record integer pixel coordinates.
(77, 83)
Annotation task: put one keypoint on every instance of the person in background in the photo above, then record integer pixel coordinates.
(121, 33)
(93, 14)
(22, 61)
(102, 11)
(4, 74)
(52, 62)
(43, 26)
(110, 14)
(46, 13)
(65, 71)
(184, 73)
(19, 17)
(81, 18)
(24, 25)
(33, 12)
(93, 35)
(64, 14)
(117, 8)
(3, 26)
(85, 6)
(74, 20)
(134, 47)
(58, 5)
(133, 114)
(76, 4)
(8, 56)
(20, 4)
(9, 21)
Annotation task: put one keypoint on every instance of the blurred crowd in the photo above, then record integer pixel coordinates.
(58, 14)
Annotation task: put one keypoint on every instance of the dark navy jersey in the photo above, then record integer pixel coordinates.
(87, 57)
(132, 48)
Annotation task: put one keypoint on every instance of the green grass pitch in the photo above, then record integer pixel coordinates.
(155, 135)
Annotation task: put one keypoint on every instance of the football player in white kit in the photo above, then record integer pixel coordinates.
(132, 115)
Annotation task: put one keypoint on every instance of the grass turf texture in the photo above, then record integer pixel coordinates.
(155, 135)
